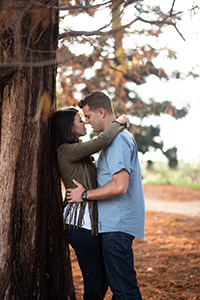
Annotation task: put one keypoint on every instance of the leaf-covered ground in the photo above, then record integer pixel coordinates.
(168, 259)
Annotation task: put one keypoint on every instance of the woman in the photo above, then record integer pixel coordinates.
(81, 221)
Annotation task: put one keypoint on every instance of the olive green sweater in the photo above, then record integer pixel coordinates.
(75, 162)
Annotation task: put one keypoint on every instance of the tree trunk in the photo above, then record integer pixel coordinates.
(34, 263)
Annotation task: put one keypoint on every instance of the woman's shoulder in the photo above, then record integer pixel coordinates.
(67, 147)
(65, 150)
(72, 152)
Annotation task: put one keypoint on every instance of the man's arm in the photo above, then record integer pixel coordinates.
(117, 186)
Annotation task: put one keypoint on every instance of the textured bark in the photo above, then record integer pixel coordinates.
(33, 260)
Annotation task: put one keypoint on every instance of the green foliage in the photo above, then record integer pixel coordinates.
(145, 137)
(184, 175)
(171, 154)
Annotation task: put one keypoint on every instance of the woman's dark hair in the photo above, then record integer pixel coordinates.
(61, 127)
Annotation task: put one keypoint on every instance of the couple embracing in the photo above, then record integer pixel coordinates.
(105, 202)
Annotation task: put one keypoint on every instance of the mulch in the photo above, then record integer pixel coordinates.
(167, 261)
(171, 192)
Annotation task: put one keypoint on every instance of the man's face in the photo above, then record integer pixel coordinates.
(93, 118)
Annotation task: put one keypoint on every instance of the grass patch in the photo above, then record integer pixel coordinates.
(185, 175)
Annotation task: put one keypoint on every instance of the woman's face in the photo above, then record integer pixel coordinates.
(78, 127)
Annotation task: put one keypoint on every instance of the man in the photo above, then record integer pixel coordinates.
(121, 211)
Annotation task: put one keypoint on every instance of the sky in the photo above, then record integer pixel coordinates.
(182, 133)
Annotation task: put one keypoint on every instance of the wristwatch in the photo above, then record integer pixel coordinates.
(84, 195)
(118, 123)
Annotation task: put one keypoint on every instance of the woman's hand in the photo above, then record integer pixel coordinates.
(123, 119)
(74, 195)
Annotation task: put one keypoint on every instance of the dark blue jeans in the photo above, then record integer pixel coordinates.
(119, 265)
(89, 254)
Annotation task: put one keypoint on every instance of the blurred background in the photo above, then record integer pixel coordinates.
(146, 58)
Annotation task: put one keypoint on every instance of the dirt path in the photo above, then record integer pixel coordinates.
(172, 199)
(191, 208)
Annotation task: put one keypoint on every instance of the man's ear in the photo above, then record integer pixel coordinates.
(101, 112)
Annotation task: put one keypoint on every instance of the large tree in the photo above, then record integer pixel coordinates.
(33, 259)
(116, 67)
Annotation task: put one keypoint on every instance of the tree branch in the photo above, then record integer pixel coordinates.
(179, 32)
(95, 32)
(24, 64)
(165, 22)
(98, 32)
(86, 7)
(171, 10)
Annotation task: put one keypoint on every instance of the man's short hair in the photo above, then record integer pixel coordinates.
(97, 100)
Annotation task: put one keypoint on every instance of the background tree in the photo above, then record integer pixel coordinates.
(116, 67)
(33, 260)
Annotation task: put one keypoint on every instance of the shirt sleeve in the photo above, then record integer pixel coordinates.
(119, 154)
(76, 151)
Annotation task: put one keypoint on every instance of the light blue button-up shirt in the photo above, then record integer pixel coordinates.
(125, 213)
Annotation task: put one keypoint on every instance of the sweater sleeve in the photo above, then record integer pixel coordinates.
(76, 151)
